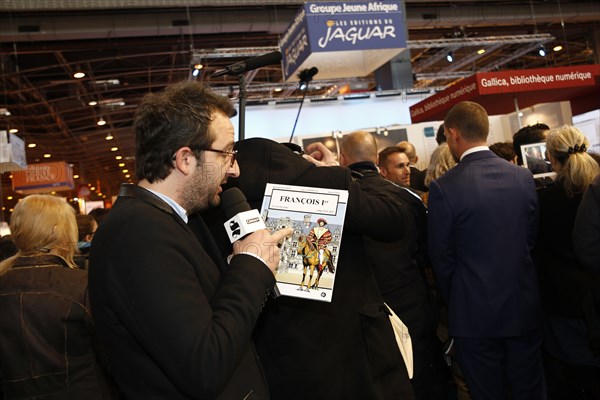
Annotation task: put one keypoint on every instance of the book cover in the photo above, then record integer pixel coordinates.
(309, 257)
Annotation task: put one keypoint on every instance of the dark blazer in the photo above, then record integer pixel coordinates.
(586, 231)
(567, 289)
(554, 255)
(339, 350)
(483, 217)
(175, 320)
(399, 266)
(47, 340)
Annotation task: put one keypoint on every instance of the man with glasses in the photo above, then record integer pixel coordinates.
(174, 318)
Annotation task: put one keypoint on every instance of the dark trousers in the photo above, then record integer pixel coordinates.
(496, 368)
(430, 381)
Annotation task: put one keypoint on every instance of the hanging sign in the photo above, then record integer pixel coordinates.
(343, 39)
(44, 178)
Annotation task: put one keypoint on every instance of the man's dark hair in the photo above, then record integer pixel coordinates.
(388, 151)
(440, 137)
(171, 119)
(99, 213)
(503, 150)
(527, 135)
(85, 225)
(470, 119)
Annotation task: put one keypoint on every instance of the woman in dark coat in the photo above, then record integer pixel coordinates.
(46, 330)
(571, 366)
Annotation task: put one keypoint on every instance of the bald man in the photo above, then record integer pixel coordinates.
(398, 269)
(417, 177)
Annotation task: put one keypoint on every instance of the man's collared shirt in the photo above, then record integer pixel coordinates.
(473, 150)
(174, 205)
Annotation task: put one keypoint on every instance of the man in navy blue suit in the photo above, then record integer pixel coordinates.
(483, 217)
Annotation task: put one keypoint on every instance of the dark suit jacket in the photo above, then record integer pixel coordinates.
(175, 320)
(483, 217)
(399, 266)
(339, 350)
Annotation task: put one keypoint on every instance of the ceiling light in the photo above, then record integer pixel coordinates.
(118, 157)
(101, 122)
(75, 176)
(480, 51)
(127, 176)
(121, 164)
(92, 187)
(9, 197)
(92, 103)
(114, 148)
(109, 136)
(557, 48)
(47, 155)
(542, 51)
(278, 89)
(196, 69)
(125, 171)
(31, 145)
(450, 57)
(78, 75)
(13, 130)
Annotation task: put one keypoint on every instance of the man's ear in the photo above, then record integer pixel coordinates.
(451, 133)
(183, 160)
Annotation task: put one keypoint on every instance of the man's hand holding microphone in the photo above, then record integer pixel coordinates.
(247, 231)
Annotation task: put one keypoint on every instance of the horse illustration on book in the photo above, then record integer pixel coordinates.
(310, 261)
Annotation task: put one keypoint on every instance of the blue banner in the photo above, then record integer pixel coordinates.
(358, 28)
(368, 25)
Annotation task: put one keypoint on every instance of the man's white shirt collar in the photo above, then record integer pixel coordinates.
(473, 150)
(174, 205)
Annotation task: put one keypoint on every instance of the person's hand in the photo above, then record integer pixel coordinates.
(264, 245)
(318, 154)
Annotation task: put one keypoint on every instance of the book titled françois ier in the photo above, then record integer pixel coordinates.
(308, 263)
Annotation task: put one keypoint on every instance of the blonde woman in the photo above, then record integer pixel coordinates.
(561, 283)
(441, 161)
(46, 330)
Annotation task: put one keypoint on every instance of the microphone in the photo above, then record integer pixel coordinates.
(306, 75)
(249, 64)
(241, 220)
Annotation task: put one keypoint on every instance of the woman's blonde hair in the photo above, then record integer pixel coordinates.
(43, 224)
(577, 168)
(441, 161)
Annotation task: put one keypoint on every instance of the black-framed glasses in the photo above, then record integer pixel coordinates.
(231, 153)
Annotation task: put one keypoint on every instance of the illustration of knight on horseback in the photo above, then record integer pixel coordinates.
(315, 254)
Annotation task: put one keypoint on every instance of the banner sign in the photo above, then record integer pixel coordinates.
(44, 178)
(496, 91)
(343, 39)
(12, 152)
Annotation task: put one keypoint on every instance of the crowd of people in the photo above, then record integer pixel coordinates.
(495, 271)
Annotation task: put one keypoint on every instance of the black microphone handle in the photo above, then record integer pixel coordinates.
(249, 64)
(233, 202)
(264, 60)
